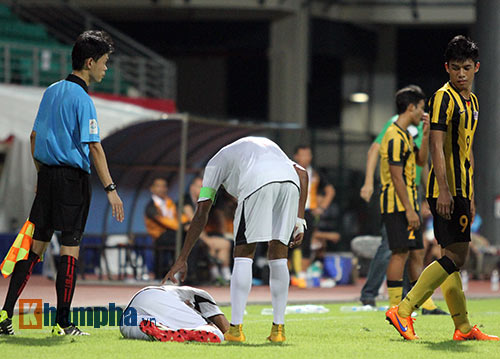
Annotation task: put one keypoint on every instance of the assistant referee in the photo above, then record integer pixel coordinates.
(65, 134)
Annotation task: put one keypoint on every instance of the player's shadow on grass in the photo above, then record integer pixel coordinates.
(448, 345)
(41, 342)
(223, 344)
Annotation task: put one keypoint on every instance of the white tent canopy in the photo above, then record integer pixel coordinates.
(19, 106)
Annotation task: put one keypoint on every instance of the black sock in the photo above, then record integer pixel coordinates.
(448, 265)
(65, 287)
(20, 276)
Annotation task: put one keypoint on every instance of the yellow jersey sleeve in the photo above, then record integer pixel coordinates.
(441, 107)
(395, 148)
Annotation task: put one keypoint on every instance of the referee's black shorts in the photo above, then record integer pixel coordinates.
(455, 230)
(61, 203)
(398, 234)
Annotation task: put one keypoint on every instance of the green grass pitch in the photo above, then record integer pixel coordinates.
(309, 336)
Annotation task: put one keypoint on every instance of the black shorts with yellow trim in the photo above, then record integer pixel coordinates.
(455, 230)
(398, 233)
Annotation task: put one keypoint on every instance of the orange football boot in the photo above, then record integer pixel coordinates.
(277, 333)
(235, 333)
(474, 334)
(403, 325)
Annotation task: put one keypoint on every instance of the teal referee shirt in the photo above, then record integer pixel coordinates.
(65, 125)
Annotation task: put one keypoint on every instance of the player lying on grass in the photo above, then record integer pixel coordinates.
(176, 314)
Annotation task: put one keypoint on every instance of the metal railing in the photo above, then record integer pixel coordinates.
(43, 65)
(134, 65)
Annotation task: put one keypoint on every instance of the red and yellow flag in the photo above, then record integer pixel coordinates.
(19, 249)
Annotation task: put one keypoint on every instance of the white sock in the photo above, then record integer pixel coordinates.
(279, 279)
(241, 283)
(226, 273)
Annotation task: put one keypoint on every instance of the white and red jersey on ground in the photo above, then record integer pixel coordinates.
(175, 307)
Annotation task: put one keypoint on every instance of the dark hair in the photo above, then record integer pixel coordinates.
(152, 182)
(461, 49)
(91, 43)
(411, 94)
(301, 147)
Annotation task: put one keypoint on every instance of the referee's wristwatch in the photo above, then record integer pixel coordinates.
(110, 187)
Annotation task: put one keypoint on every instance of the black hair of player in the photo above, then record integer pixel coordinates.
(461, 49)
(90, 44)
(411, 94)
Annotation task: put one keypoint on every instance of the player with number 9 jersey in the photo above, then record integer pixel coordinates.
(457, 116)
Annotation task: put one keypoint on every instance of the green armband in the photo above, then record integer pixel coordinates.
(207, 192)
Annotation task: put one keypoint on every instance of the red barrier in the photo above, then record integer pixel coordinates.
(163, 105)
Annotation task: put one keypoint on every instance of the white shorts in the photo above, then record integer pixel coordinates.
(267, 214)
(165, 308)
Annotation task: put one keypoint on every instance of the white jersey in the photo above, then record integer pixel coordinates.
(175, 307)
(172, 297)
(246, 165)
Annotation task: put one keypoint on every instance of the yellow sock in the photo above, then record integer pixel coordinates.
(455, 299)
(429, 304)
(395, 291)
(431, 278)
(297, 261)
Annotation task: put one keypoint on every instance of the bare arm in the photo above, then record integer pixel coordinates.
(371, 164)
(423, 151)
(189, 211)
(328, 197)
(101, 166)
(473, 200)
(304, 184)
(195, 229)
(221, 322)
(444, 206)
(400, 186)
(298, 233)
(32, 141)
(100, 163)
(424, 175)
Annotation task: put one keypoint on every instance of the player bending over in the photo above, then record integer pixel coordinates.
(272, 191)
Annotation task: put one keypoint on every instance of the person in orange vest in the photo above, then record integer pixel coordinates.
(160, 218)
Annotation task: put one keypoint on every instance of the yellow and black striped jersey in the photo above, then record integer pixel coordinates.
(397, 149)
(458, 117)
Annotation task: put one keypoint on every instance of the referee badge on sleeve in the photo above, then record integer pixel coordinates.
(93, 129)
